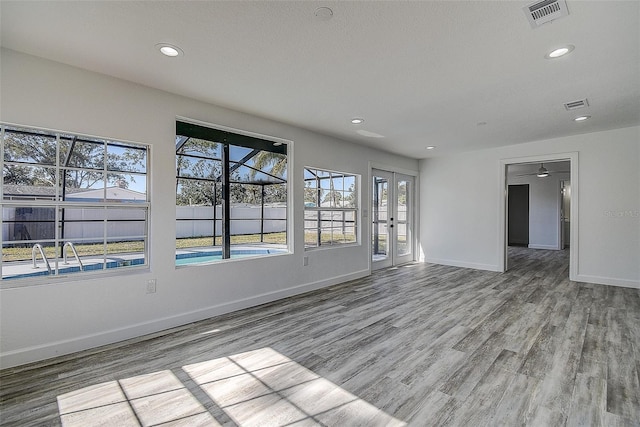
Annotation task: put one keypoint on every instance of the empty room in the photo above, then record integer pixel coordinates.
(322, 213)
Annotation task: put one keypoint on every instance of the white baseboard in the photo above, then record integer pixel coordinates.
(59, 348)
(547, 247)
(626, 283)
(463, 264)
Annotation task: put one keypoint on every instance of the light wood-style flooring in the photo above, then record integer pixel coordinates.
(420, 345)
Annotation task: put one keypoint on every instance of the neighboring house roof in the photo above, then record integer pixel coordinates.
(42, 192)
(28, 190)
(112, 193)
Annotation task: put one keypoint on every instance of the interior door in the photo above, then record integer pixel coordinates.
(518, 215)
(392, 219)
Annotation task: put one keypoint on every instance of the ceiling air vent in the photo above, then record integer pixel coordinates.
(545, 11)
(575, 105)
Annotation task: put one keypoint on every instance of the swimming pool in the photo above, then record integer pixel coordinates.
(181, 259)
(96, 266)
(202, 257)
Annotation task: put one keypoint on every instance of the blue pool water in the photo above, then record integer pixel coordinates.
(88, 267)
(201, 257)
(181, 259)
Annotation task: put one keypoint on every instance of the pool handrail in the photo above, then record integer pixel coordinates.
(75, 254)
(34, 251)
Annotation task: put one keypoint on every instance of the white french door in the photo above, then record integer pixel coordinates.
(391, 219)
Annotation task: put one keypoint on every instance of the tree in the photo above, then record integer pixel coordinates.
(311, 193)
(82, 160)
(350, 198)
(333, 197)
(197, 158)
(33, 149)
(402, 193)
(272, 163)
(199, 170)
(198, 193)
(275, 193)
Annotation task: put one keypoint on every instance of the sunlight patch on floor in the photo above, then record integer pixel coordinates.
(256, 388)
(145, 400)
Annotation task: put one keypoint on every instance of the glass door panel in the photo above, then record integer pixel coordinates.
(381, 215)
(403, 222)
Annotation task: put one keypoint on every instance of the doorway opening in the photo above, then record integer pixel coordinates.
(539, 209)
(518, 215)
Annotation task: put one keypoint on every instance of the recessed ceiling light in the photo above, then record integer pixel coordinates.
(169, 50)
(431, 147)
(561, 51)
(581, 118)
(357, 121)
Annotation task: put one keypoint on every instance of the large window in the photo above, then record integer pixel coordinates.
(71, 204)
(231, 195)
(330, 208)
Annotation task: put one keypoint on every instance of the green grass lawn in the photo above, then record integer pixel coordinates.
(89, 249)
(96, 249)
(244, 239)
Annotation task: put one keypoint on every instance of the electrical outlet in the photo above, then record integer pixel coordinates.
(151, 286)
(305, 261)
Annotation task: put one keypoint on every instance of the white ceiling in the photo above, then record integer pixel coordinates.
(420, 73)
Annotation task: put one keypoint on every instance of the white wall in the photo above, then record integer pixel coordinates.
(460, 203)
(544, 209)
(37, 322)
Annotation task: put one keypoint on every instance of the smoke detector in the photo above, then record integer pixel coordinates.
(323, 14)
(545, 11)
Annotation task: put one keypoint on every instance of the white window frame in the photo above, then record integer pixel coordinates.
(286, 248)
(58, 270)
(331, 209)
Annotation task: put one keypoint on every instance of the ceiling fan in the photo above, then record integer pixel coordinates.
(542, 172)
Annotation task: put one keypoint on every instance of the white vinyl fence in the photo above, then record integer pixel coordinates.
(196, 221)
(37, 223)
